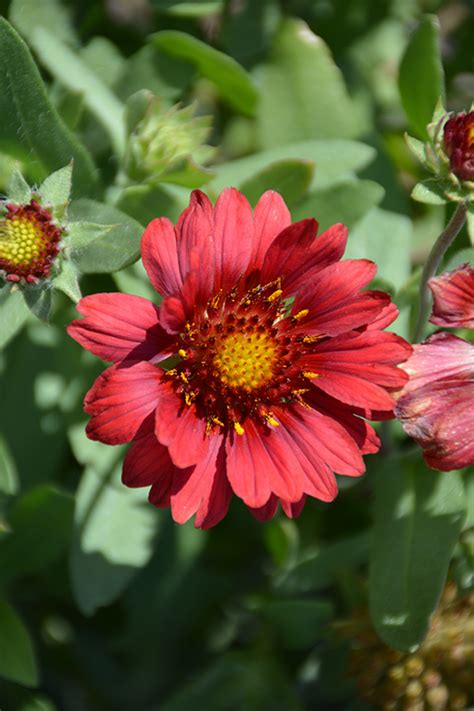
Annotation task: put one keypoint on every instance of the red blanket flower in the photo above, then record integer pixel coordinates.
(278, 357)
(436, 407)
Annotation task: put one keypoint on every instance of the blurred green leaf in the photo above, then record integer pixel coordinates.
(419, 514)
(191, 8)
(145, 202)
(298, 623)
(41, 523)
(28, 15)
(429, 191)
(104, 59)
(290, 177)
(421, 78)
(69, 69)
(17, 658)
(115, 527)
(29, 121)
(115, 248)
(347, 203)
(39, 300)
(303, 94)
(470, 222)
(334, 160)
(319, 567)
(150, 68)
(237, 680)
(13, 314)
(232, 81)
(8, 474)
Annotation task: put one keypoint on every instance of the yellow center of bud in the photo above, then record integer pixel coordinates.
(21, 241)
(245, 360)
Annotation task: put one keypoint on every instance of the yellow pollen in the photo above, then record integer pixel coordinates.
(245, 360)
(182, 353)
(238, 428)
(309, 374)
(276, 294)
(217, 421)
(271, 420)
(184, 378)
(21, 241)
(301, 314)
(311, 339)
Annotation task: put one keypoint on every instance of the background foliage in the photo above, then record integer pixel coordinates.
(104, 602)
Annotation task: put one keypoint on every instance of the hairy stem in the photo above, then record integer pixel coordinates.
(446, 238)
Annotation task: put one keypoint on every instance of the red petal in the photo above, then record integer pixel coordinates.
(267, 511)
(440, 417)
(172, 315)
(360, 310)
(233, 237)
(196, 489)
(160, 257)
(147, 462)
(119, 326)
(298, 255)
(259, 463)
(271, 216)
(120, 401)
(453, 297)
(196, 249)
(293, 510)
(178, 428)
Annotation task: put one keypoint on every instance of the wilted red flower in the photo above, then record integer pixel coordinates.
(459, 144)
(279, 354)
(436, 407)
(29, 242)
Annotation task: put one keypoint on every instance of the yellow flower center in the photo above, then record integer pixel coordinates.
(245, 360)
(21, 241)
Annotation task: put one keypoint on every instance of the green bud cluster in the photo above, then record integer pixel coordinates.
(438, 676)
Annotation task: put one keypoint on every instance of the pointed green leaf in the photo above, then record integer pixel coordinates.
(69, 69)
(115, 527)
(67, 281)
(8, 474)
(29, 119)
(17, 657)
(41, 525)
(417, 148)
(303, 94)
(18, 189)
(421, 78)
(429, 191)
(117, 247)
(13, 314)
(232, 81)
(290, 177)
(39, 300)
(419, 514)
(56, 189)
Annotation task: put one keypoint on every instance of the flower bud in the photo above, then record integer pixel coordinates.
(459, 144)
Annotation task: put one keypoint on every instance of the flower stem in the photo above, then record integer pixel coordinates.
(445, 240)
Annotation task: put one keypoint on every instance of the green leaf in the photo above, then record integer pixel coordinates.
(18, 189)
(104, 59)
(116, 247)
(232, 81)
(145, 202)
(290, 177)
(8, 473)
(429, 191)
(419, 514)
(39, 300)
(470, 222)
(189, 175)
(421, 79)
(69, 69)
(29, 119)
(56, 189)
(17, 657)
(303, 94)
(13, 314)
(417, 148)
(334, 161)
(191, 8)
(67, 281)
(41, 524)
(347, 203)
(115, 527)
(298, 624)
(27, 15)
